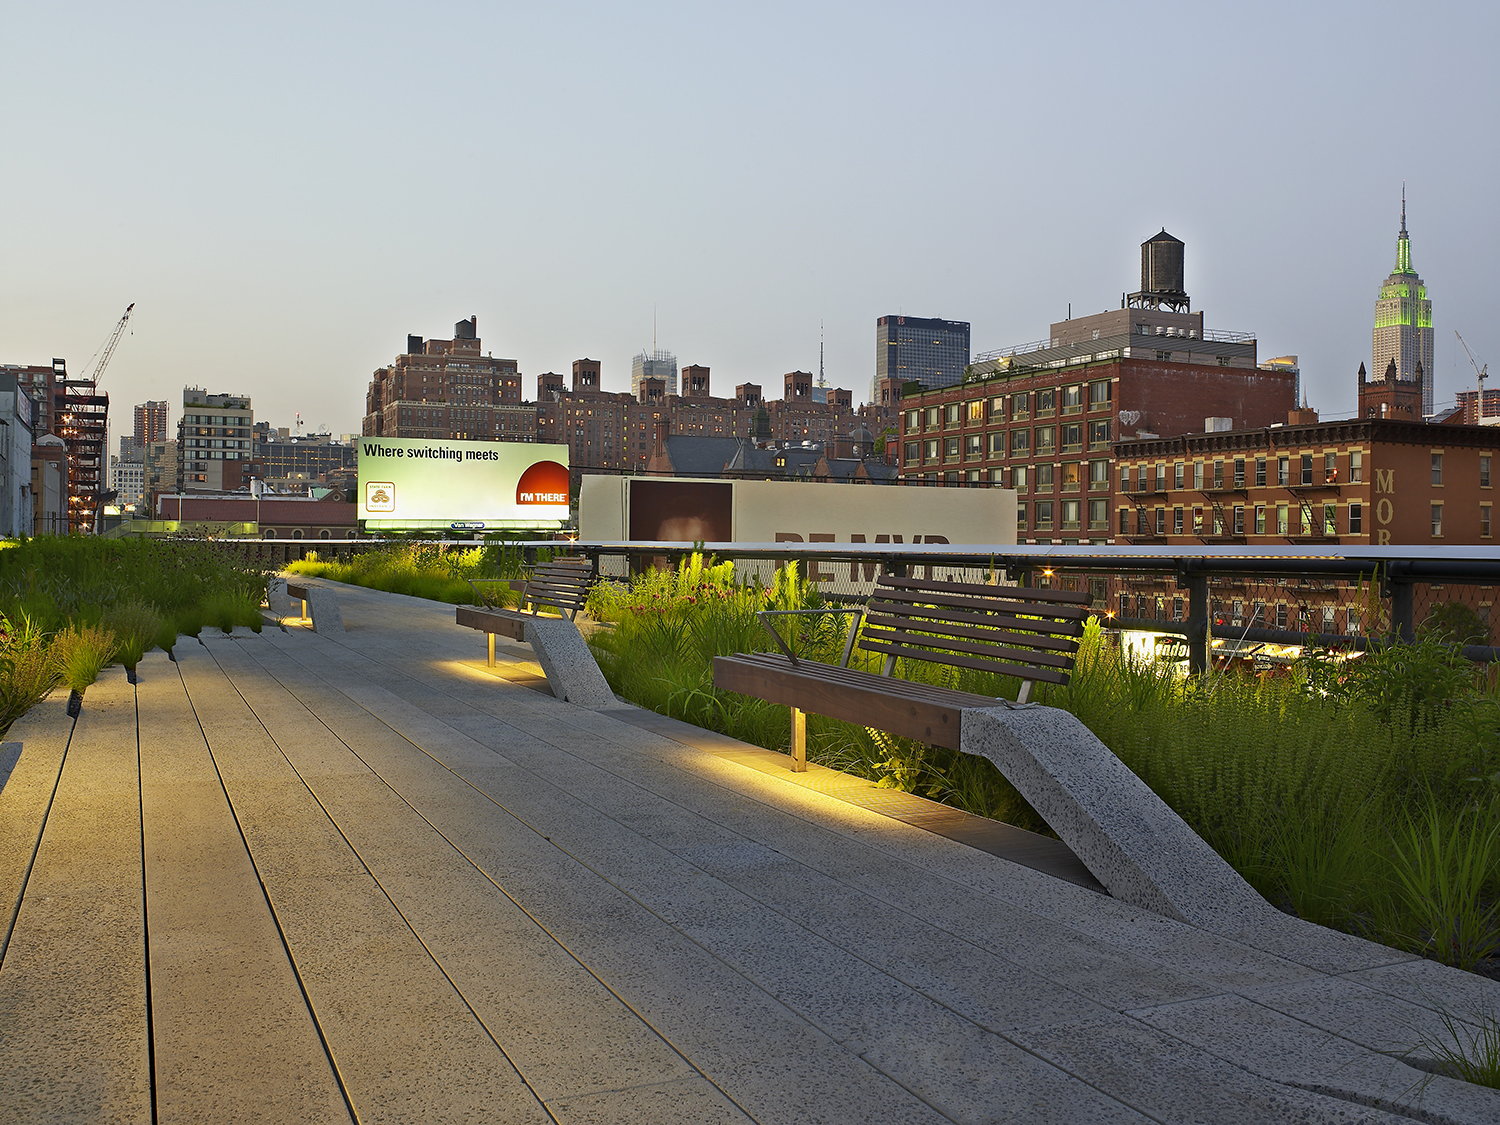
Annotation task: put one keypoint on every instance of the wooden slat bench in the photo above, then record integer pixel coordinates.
(562, 584)
(1016, 631)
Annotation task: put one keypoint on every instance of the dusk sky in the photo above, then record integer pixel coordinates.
(286, 191)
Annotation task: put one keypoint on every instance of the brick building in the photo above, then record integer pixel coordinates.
(213, 441)
(449, 389)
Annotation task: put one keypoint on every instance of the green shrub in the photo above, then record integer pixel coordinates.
(136, 627)
(27, 670)
(80, 653)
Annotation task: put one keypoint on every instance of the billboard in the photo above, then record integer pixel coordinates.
(414, 484)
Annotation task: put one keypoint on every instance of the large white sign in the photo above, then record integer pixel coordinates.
(409, 483)
(764, 511)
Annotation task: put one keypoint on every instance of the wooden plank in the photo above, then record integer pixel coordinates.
(993, 605)
(507, 624)
(939, 647)
(979, 633)
(895, 687)
(872, 706)
(1004, 669)
(1029, 593)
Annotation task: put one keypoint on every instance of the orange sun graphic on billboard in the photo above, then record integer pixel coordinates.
(546, 482)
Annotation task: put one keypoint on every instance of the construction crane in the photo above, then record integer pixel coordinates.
(110, 345)
(1483, 373)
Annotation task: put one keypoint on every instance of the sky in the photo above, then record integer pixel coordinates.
(287, 190)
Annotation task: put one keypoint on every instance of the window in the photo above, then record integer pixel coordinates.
(1437, 470)
(911, 453)
(911, 421)
(933, 415)
(1219, 475)
(1307, 519)
(1098, 476)
(997, 444)
(950, 449)
(1437, 519)
(1282, 522)
(1179, 474)
(1044, 515)
(997, 477)
(952, 414)
(1020, 443)
(1484, 520)
(1198, 475)
(1161, 521)
(1124, 521)
(1328, 619)
(1330, 517)
(1283, 471)
(1281, 616)
(1072, 438)
(1197, 521)
(931, 453)
(1484, 471)
(1099, 435)
(1356, 466)
(1239, 472)
(975, 411)
(1330, 468)
(1020, 406)
(1046, 440)
(1018, 479)
(1307, 468)
(1177, 609)
(1260, 472)
(1046, 403)
(1161, 477)
(1070, 515)
(1239, 520)
(1356, 519)
(1125, 605)
(1072, 471)
(997, 409)
(1124, 478)
(1100, 395)
(1176, 521)
(1044, 475)
(1072, 399)
(1020, 517)
(974, 447)
(1098, 515)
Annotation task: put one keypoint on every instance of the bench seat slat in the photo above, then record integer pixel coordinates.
(1012, 606)
(893, 685)
(1033, 593)
(1057, 630)
(938, 649)
(992, 636)
(1004, 668)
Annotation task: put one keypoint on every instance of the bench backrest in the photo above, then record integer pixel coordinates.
(1013, 630)
(563, 584)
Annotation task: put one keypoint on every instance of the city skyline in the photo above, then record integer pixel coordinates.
(277, 245)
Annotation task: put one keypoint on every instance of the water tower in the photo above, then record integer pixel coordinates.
(1162, 276)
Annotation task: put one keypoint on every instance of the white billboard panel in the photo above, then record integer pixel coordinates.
(412, 483)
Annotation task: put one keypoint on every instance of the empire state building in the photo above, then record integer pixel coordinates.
(1403, 321)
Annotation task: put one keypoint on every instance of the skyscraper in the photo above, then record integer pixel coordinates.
(1403, 321)
(150, 422)
(655, 364)
(921, 350)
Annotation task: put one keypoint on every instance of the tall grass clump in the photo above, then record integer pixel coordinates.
(424, 569)
(80, 653)
(136, 628)
(27, 671)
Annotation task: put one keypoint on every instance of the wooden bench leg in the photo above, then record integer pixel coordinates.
(491, 638)
(304, 609)
(1024, 695)
(799, 740)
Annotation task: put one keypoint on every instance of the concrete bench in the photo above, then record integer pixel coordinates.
(1028, 633)
(570, 668)
(318, 604)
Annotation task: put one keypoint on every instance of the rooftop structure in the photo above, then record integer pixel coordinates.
(655, 364)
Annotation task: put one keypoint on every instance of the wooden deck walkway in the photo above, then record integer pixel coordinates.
(293, 878)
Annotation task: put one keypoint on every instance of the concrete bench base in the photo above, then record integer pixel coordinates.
(1127, 836)
(320, 604)
(570, 668)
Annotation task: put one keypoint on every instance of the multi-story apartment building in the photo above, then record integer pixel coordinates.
(127, 479)
(293, 464)
(449, 389)
(213, 441)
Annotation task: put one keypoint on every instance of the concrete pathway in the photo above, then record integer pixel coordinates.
(363, 877)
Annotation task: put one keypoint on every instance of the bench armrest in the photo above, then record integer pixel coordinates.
(859, 615)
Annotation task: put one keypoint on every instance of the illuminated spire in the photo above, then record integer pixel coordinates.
(1403, 242)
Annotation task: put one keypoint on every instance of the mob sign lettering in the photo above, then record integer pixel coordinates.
(1385, 511)
(412, 484)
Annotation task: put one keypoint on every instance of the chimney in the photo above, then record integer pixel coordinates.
(663, 431)
(1301, 417)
